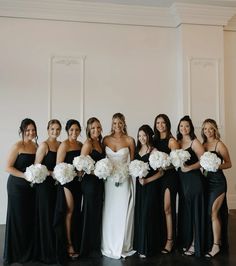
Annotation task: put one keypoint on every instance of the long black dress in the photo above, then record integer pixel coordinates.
(170, 181)
(147, 214)
(92, 192)
(60, 213)
(191, 207)
(20, 221)
(45, 240)
(216, 185)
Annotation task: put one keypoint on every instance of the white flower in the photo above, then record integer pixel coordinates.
(64, 173)
(138, 168)
(120, 173)
(179, 157)
(210, 161)
(36, 173)
(103, 168)
(85, 163)
(158, 159)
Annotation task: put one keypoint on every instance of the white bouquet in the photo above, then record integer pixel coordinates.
(84, 163)
(210, 161)
(120, 173)
(103, 168)
(179, 157)
(36, 173)
(138, 168)
(64, 173)
(158, 159)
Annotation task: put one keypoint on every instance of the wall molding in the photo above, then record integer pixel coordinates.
(64, 10)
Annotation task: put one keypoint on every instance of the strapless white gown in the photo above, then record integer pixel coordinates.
(118, 211)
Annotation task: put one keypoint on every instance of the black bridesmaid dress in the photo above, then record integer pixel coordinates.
(92, 192)
(215, 186)
(191, 222)
(20, 223)
(170, 181)
(45, 240)
(60, 213)
(147, 214)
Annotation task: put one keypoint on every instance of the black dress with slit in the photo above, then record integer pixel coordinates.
(45, 239)
(20, 223)
(92, 193)
(191, 222)
(147, 214)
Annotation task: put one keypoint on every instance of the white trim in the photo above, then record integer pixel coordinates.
(173, 16)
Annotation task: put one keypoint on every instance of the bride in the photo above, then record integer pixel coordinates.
(118, 210)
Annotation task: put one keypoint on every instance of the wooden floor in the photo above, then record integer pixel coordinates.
(174, 259)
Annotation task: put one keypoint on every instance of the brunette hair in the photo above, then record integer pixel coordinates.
(89, 125)
(53, 121)
(191, 133)
(168, 126)
(23, 127)
(149, 133)
(71, 122)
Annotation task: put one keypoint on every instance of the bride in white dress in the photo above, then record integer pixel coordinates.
(118, 209)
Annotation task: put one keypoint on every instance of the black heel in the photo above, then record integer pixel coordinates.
(210, 255)
(167, 251)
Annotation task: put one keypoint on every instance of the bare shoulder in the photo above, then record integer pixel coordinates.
(87, 143)
(173, 143)
(130, 139)
(106, 140)
(221, 146)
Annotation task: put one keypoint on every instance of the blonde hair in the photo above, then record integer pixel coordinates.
(214, 126)
(121, 117)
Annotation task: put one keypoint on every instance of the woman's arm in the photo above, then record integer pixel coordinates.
(86, 148)
(61, 152)
(41, 152)
(144, 181)
(131, 148)
(223, 151)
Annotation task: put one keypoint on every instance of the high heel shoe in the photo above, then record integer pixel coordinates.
(212, 254)
(190, 251)
(71, 253)
(171, 244)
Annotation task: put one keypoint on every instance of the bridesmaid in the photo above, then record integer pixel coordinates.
(92, 191)
(147, 209)
(217, 210)
(68, 206)
(165, 142)
(45, 245)
(21, 197)
(191, 196)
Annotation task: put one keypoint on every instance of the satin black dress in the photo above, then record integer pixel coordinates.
(216, 185)
(92, 193)
(60, 213)
(191, 223)
(20, 223)
(147, 214)
(45, 239)
(170, 181)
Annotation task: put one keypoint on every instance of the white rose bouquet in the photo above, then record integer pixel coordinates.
(36, 173)
(210, 162)
(138, 168)
(64, 173)
(179, 157)
(103, 168)
(84, 163)
(158, 159)
(120, 173)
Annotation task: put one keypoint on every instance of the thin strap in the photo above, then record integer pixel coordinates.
(216, 144)
(191, 144)
(47, 145)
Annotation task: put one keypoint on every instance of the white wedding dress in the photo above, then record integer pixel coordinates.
(118, 211)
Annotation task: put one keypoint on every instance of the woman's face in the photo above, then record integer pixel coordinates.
(30, 132)
(73, 132)
(161, 125)
(184, 128)
(117, 125)
(209, 130)
(142, 137)
(95, 130)
(54, 130)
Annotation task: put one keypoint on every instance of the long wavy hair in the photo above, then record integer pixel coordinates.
(121, 117)
(168, 126)
(191, 133)
(89, 125)
(214, 126)
(149, 133)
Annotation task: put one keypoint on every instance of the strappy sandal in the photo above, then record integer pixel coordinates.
(190, 251)
(71, 254)
(167, 251)
(210, 255)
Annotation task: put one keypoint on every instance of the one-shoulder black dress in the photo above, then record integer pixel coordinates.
(191, 207)
(20, 223)
(92, 193)
(45, 239)
(147, 214)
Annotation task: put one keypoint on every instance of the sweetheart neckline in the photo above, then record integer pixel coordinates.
(117, 150)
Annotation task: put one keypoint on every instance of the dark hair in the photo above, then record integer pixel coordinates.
(215, 127)
(23, 126)
(89, 124)
(168, 126)
(149, 133)
(53, 121)
(191, 133)
(121, 117)
(71, 122)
